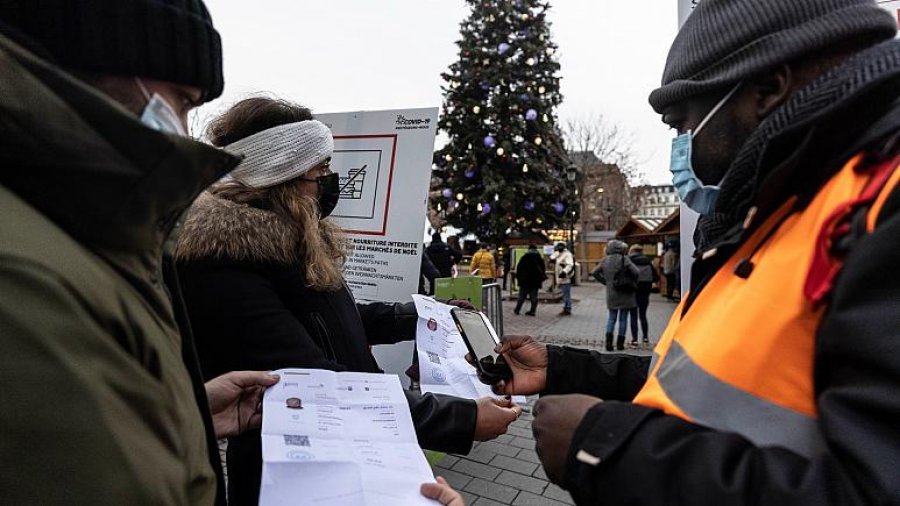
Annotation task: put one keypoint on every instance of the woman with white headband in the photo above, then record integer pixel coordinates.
(261, 275)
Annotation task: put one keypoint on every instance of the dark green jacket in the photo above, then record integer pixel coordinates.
(96, 404)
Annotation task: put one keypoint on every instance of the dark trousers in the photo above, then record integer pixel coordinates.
(670, 285)
(640, 314)
(531, 294)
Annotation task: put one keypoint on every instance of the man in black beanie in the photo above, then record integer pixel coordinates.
(776, 380)
(102, 402)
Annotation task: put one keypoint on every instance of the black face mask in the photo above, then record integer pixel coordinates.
(329, 193)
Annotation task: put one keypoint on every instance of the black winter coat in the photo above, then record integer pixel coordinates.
(250, 308)
(443, 257)
(647, 274)
(647, 457)
(531, 271)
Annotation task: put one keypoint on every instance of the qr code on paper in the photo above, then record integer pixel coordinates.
(291, 440)
(433, 357)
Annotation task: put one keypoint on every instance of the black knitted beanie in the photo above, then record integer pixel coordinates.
(168, 40)
(726, 41)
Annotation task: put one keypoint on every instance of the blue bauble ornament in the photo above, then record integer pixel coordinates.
(503, 47)
(452, 204)
(531, 115)
(524, 97)
(529, 205)
(485, 85)
(485, 208)
(489, 142)
(559, 208)
(447, 193)
(469, 173)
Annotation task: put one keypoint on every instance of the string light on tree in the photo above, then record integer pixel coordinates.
(506, 85)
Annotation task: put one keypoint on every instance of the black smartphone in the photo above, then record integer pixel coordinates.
(480, 339)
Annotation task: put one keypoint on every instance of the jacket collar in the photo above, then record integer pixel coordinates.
(89, 164)
(219, 229)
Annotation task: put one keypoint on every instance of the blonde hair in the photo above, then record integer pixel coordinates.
(321, 244)
(635, 248)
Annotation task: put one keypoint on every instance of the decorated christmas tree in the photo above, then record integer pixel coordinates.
(504, 167)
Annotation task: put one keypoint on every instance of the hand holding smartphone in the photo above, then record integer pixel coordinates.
(480, 339)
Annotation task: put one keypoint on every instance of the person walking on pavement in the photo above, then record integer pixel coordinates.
(483, 264)
(564, 269)
(776, 380)
(670, 269)
(531, 271)
(442, 256)
(646, 277)
(619, 274)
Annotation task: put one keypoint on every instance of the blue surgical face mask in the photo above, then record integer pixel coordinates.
(159, 115)
(691, 190)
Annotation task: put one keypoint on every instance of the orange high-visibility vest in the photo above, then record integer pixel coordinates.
(741, 359)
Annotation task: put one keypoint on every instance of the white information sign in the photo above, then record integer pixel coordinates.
(442, 354)
(383, 159)
(340, 439)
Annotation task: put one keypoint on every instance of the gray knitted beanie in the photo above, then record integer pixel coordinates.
(726, 41)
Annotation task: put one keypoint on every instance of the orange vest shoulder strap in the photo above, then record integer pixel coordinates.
(828, 260)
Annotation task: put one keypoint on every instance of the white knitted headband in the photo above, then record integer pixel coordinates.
(281, 153)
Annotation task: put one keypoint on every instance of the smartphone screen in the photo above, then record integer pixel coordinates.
(480, 336)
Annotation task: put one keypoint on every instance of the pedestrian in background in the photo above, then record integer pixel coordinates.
(443, 256)
(646, 277)
(670, 269)
(530, 274)
(564, 269)
(483, 264)
(619, 274)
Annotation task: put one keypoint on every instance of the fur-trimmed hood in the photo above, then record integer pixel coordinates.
(217, 228)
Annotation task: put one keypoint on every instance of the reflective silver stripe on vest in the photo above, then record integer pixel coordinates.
(713, 403)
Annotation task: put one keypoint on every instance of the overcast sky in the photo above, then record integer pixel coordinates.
(344, 55)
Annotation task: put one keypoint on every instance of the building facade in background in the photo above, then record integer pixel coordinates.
(656, 202)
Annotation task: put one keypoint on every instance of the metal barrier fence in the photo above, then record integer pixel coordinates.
(492, 305)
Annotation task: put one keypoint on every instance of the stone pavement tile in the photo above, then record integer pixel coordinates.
(539, 473)
(468, 498)
(520, 431)
(521, 442)
(522, 482)
(511, 464)
(529, 499)
(455, 479)
(491, 490)
(476, 469)
(484, 501)
(499, 448)
(558, 494)
(529, 455)
(447, 461)
(503, 439)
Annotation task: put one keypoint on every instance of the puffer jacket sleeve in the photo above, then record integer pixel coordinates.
(386, 323)
(857, 377)
(443, 423)
(604, 375)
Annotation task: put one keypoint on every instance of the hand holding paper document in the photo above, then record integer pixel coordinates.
(340, 439)
(442, 364)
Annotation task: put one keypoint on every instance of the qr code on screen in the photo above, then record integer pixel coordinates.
(433, 357)
(291, 440)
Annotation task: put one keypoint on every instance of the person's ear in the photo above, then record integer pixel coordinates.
(772, 90)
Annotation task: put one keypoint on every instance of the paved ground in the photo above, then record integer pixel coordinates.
(507, 470)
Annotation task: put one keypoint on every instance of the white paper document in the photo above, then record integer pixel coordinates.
(442, 354)
(340, 439)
